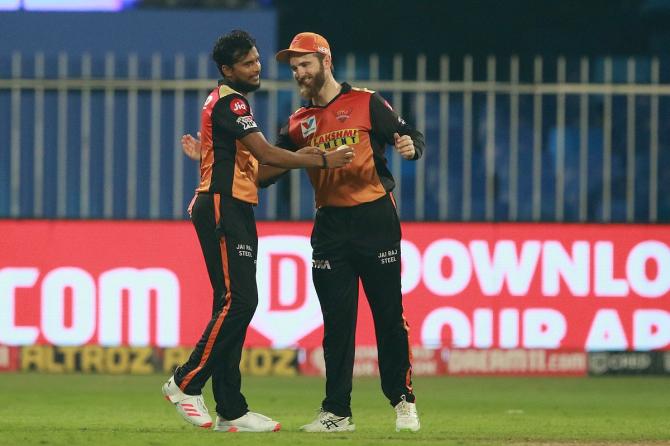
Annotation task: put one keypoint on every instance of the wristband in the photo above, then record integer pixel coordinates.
(325, 161)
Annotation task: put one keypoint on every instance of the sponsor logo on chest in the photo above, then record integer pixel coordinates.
(335, 139)
(308, 126)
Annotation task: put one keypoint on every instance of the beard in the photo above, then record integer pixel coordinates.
(311, 90)
(245, 87)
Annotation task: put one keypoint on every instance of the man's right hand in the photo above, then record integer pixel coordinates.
(339, 157)
(191, 146)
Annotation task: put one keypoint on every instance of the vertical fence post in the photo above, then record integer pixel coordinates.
(443, 177)
(583, 142)
(467, 138)
(653, 142)
(607, 144)
(560, 143)
(108, 174)
(15, 138)
(514, 139)
(178, 157)
(420, 175)
(630, 145)
(85, 165)
(537, 141)
(38, 147)
(155, 141)
(131, 185)
(61, 148)
(490, 138)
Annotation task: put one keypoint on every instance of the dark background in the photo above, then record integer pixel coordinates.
(478, 27)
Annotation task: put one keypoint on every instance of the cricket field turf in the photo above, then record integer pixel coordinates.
(98, 410)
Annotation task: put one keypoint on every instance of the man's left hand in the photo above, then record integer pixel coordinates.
(404, 145)
(191, 146)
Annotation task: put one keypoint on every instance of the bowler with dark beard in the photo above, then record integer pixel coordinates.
(231, 149)
(356, 235)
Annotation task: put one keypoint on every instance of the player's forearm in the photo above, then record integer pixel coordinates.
(270, 155)
(289, 160)
(268, 175)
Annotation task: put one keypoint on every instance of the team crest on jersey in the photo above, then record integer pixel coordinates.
(308, 126)
(343, 115)
(247, 122)
(238, 107)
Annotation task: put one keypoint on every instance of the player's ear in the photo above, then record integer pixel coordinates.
(226, 70)
(328, 62)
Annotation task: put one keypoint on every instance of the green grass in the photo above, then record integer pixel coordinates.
(97, 410)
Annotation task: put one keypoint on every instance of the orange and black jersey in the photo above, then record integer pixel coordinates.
(363, 120)
(226, 166)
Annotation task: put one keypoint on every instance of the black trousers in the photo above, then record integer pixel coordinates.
(226, 230)
(361, 242)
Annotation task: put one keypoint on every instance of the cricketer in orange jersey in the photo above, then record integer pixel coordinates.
(357, 232)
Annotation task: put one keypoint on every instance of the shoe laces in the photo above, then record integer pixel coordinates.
(325, 415)
(321, 414)
(403, 409)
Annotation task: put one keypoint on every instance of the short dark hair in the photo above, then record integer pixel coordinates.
(232, 47)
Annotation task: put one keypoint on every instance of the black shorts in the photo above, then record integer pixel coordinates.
(356, 230)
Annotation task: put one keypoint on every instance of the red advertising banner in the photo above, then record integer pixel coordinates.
(466, 286)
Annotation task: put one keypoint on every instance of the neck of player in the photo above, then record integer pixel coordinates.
(330, 89)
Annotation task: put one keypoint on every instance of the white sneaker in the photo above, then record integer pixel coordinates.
(191, 407)
(249, 422)
(406, 417)
(329, 422)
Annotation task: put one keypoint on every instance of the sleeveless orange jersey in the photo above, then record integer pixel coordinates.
(361, 119)
(226, 166)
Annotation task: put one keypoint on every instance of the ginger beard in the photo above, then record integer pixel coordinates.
(310, 85)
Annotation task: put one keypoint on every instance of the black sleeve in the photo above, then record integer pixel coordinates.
(284, 139)
(233, 114)
(385, 122)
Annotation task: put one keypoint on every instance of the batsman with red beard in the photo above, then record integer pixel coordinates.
(356, 233)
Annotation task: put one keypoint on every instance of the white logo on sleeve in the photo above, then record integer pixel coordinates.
(247, 122)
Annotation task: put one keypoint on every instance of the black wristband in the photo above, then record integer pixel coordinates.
(325, 160)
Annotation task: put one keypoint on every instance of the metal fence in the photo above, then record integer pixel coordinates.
(508, 139)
